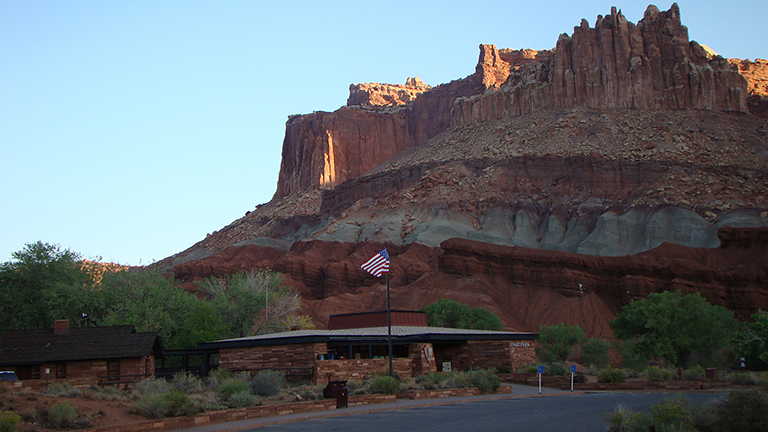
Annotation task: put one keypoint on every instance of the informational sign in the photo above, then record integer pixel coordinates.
(573, 368)
(541, 370)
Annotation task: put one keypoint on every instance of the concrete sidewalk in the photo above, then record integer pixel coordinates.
(518, 391)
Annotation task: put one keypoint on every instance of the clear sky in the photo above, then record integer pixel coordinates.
(131, 129)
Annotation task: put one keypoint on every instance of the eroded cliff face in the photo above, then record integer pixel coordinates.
(525, 287)
(617, 64)
(322, 150)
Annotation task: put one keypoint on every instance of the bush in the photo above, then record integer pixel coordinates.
(187, 383)
(743, 411)
(612, 376)
(484, 380)
(742, 378)
(623, 419)
(695, 373)
(180, 404)
(672, 415)
(556, 369)
(9, 421)
(385, 384)
(232, 386)
(268, 383)
(503, 369)
(242, 399)
(62, 415)
(152, 406)
(57, 389)
(152, 386)
(657, 374)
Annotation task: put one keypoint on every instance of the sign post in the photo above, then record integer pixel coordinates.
(573, 370)
(541, 371)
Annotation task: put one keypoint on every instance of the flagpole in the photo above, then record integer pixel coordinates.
(389, 328)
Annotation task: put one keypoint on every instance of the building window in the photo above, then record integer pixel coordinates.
(61, 370)
(113, 370)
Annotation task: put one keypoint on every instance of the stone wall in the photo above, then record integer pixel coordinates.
(271, 357)
(360, 369)
(487, 354)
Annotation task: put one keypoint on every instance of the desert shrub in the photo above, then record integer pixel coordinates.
(695, 373)
(612, 376)
(151, 406)
(9, 421)
(503, 369)
(62, 415)
(242, 399)
(672, 415)
(623, 419)
(57, 389)
(456, 380)
(484, 380)
(657, 374)
(267, 383)
(556, 369)
(742, 378)
(357, 388)
(743, 411)
(187, 383)
(232, 386)
(704, 416)
(180, 404)
(74, 393)
(531, 368)
(385, 384)
(152, 386)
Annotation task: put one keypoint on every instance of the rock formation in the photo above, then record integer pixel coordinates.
(525, 287)
(617, 65)
(548, 186)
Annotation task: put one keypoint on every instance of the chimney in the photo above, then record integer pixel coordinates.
(60, 327)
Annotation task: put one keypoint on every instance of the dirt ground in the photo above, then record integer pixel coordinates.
(32, 406)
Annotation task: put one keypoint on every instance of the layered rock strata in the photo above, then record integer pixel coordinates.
(617, 64)
(525, 287)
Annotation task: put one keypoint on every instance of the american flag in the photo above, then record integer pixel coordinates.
(378, 264)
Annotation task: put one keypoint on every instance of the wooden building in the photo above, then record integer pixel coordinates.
(88, 354)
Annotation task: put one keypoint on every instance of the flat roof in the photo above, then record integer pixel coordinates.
(369, 335)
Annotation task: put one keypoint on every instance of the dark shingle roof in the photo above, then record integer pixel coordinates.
(89, 343)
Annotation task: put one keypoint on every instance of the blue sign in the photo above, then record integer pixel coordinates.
(541, 370)
(573, 368)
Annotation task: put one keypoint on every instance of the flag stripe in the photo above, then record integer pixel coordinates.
(377, 264)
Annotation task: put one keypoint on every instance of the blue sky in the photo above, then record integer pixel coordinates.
(129, 130)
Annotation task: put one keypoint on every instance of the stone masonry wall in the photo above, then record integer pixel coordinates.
(360, 369)
(488, 354)
(277, 356)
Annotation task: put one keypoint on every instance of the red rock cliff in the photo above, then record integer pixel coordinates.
(617, 64)
(322, 150)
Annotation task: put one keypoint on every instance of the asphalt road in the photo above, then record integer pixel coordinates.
(540, 414)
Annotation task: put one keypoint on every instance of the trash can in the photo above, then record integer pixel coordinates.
(337, 389)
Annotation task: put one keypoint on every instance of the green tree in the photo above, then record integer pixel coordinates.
(751, 339)
(595, 352)
(42, 283)
(251, 302)
(152, 303)
(682, 330)
(557, 342)
(453, 314)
